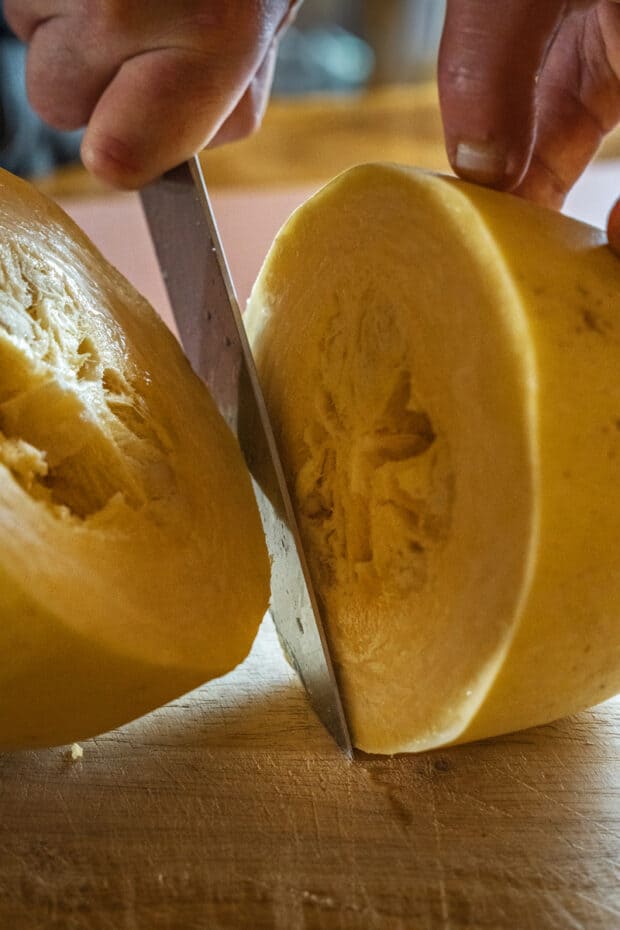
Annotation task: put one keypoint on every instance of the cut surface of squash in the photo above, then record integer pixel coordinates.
(132, 560)
(441, 363)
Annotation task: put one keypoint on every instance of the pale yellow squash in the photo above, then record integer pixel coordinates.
(132, 561)
(442, 366)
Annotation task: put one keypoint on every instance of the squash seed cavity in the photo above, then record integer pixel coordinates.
(75, 432)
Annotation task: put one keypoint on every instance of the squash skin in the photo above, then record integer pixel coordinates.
(565, 654)
(543, 321)
(133, 566)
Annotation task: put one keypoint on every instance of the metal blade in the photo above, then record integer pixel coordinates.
(204, 304)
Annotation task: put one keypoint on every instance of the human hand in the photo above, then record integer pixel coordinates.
(154, 81)
(528, 91)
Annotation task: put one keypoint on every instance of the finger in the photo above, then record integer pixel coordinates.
(578, 103)
(248, 114)
(65, 78)
(160, 108)
(154, 84)
(487, 88)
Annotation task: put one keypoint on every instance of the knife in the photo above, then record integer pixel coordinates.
(205, 308)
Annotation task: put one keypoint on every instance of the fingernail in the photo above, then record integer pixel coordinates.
(482, 162)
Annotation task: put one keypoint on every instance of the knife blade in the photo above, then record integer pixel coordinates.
(180, 218)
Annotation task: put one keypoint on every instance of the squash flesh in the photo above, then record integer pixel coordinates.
(132, 560)
(419, 381)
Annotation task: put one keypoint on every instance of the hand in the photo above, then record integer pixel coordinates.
(154, 81)
(528, 90)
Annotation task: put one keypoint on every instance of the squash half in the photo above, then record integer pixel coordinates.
(442, 366)
(132, 560)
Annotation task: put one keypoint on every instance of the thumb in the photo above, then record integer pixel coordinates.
(490, 56)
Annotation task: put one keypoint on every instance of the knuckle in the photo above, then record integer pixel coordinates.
(250, 122)
(250, 118)
(244, 23)
(55, 85)
(244, 122)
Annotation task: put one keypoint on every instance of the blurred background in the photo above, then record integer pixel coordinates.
(348, 45)
(340, 54)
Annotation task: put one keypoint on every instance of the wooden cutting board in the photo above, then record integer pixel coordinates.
(232, 809)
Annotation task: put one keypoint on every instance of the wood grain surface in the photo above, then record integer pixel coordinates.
(232, 809)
